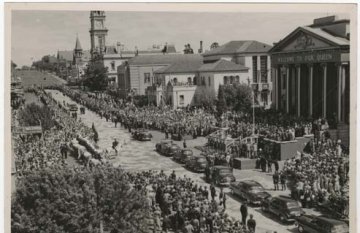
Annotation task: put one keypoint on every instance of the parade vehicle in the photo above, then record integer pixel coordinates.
(183, 155)
(249, 190)
(167, 148)
(320, 224)
(141, 135)
(222, 175)
(196, 163)
(284, 207)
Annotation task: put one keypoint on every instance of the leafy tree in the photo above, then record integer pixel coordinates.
(236, 97)
(78, 201)
(33, 114)
(221, 105)
(205, 97)
(96, 75)
(214, 45)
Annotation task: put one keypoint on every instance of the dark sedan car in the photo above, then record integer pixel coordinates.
(222, 175)
(320, 224)
(142, 135)
(249, 190)
(284, 207)
(167, 148)
(197, 163)
(183, 155)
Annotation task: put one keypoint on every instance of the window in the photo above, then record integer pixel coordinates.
(181, 100)
(203, 81)
(189, 81)
(175, 81)
(112, 65)
(263, 68)
(146, 77)
(195, 81)
(209, 80)
(225, 80)
(237, 79)
(255, 73)
(231, 79)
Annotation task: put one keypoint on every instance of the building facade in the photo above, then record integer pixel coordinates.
(253, 55)
(311, 70)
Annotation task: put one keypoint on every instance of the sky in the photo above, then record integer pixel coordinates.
(38, 33)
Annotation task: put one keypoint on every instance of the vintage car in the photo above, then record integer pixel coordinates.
(196, 163)
(222, 175)
(183, 155)
(176, 137)
(320, 224)
(141, 135)
(284, 207)
(249, 190)
(167, 148)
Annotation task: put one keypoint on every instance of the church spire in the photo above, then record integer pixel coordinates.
(77, 45)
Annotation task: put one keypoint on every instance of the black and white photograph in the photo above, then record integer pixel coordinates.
(180, 118)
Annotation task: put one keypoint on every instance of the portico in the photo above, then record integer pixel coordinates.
(311, 74)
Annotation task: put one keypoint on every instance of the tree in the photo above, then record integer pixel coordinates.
(221, 105)
(214, 45)
(205, 97)
(237, 97)
(96, 75)
(33, 114)
(78, 200)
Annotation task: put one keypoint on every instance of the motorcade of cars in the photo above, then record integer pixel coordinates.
(284, 207)
(250, 190)
(167, 148)
(196, 163)
(320, 224)
(183, 155)
(141, 135)
(222, 175)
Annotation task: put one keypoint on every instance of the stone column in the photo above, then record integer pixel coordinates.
(339, 67)
(287, 89)
(298, 69)
(311, 90)
(276, 88)
(324, 65)
(343, 84)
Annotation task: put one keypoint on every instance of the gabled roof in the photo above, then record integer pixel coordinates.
(239, 46)
(164, 59)
(315, 32)
(222, 65)
(186, 66)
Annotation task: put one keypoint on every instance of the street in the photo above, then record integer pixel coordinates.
(137, 156)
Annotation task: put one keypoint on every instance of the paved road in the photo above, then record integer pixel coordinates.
(135, 156)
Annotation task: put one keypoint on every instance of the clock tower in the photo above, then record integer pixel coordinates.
(98, 32)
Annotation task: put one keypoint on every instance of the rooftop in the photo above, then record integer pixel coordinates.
(240, 46)
(165, 59)
(222, 65)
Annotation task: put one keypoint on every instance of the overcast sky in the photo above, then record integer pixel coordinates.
(38, 33)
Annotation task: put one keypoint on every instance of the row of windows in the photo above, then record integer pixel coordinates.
(262, 75)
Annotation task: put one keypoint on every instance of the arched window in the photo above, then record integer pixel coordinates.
(237, 79)
(195, 81)
(225, 80)
(189, 80)
(175, 81)
(231, 79)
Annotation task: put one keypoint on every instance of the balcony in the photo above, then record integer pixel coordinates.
(262, 86)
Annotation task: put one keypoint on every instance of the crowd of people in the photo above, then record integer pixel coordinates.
(321, 175)
(50, 147)
(181, 205)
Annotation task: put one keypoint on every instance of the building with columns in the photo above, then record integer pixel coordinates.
(310, 68)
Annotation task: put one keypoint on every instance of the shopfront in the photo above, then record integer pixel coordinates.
(311, 75)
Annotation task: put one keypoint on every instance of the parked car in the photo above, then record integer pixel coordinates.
(320, 224)
(196, 163)
(73, 107)
(284, 207)
(167, 148)
(176, 137)
(141, 135)
(222, 175)
(249, 190)
(183, 155)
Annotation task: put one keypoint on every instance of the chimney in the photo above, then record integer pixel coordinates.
(201, 47)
